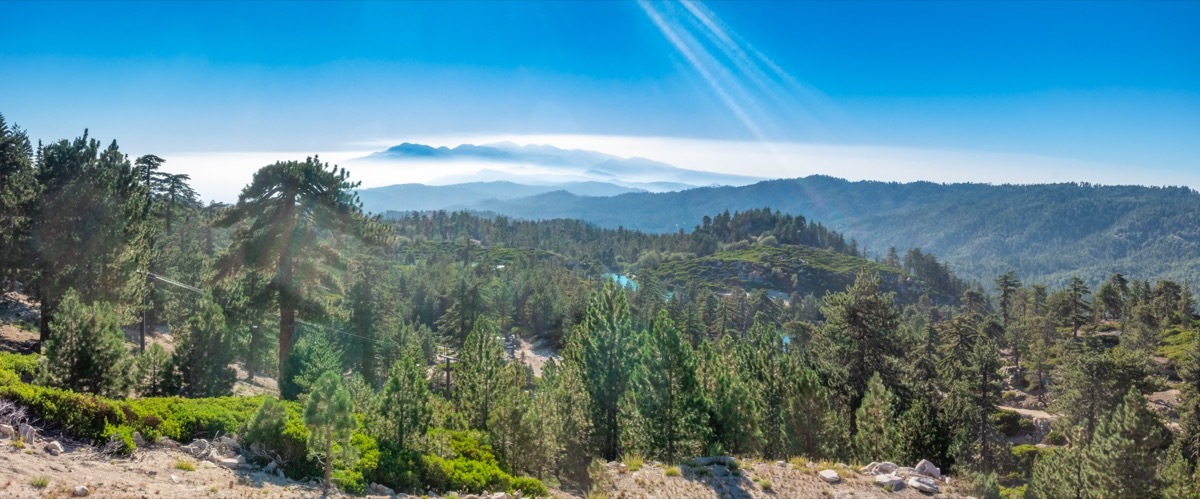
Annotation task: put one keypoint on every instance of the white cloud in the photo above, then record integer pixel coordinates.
(221, 176)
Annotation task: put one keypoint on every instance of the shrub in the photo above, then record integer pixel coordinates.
(185, 466)
(350, 481)
(1011, 423)
(465, 474)
(40, 481)
(1055, 437)
(399, 468)
(87, 352)
(528, 486)
(1024, 456)
(633, 461)
(672, 471)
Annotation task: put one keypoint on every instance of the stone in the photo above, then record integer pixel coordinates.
(830, 476)
(199, 447)
(379, 489)
(702, 461)
(727, 461)
(138, 440)
(270, 467)
(905, 471)
(28, 433)
(621, 468)
(923, 484)
(225, 462)
(889, 481)
(54, 448)
(175, 479)
(870, 468)
(81, 491)
(886, 467)
(928, 469)
(166, 442)
(8, 431)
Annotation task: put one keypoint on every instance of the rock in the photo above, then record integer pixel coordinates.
(830, 476)
(225, 462)
(54, 448)
(780, 463)
(279, 472)
(8, 431)
(889, 481)
(81, 491)
(175, 479)
(870, 468)
(377, 488)
(905, 471)
(270, 468)
(923, 484)
(166, 442)
(198, 448)
(928, 469)
(621, 468)
(500, 495)
(886, 467)
(28, 434)
(702, 461)
(138, 440)
(727, 461)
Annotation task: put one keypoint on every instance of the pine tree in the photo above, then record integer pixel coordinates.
(604, 347)
(204, 354)
(862, 326)
(1089, 383)
(668, 397)
(1056, 474)
(876, 437)
(404, 401)
(329, 416)
(87, 352)
(1189, 410)
(280, 218)
(1121, 459)
(481, 361)
(154, 373)
(19, 191)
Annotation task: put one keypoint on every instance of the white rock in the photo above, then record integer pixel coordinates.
(886, 467)
(54, 448)
(870, 468)
(28, 434)
(830, 476)
(889, 481)
(923, 484)
(81, 491)
(175, 479)
(226, 462)
(8, 431)
(928, 469)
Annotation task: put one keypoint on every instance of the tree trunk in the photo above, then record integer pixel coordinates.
(283, 281)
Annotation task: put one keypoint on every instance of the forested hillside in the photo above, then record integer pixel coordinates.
(1046, 233)
(450, 352)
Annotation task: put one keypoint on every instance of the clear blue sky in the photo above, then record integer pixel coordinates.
(1105, 82)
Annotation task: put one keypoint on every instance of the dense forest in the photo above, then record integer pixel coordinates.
(401, 345)
(1046, 233)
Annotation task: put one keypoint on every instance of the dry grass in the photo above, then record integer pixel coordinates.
(184, 465)
(672, 471)
(40, 481)
(633, 461)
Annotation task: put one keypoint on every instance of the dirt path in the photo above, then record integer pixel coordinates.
(1032, 413)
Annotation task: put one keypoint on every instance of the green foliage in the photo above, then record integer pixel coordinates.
(404, 402)
(269, 427)
(1010, 423)
(1121, 459)
(154, 372)
(603, 347)
(204, 353)
(329, 416)
(87, 352)
(528, 486)
(313, 356)
(478, 389)
(1025, 455)
(876, 438)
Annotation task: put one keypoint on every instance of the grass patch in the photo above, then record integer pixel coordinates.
(40, 481)
(764, 484)
(185, 466)
(633, 461)
(672, 471)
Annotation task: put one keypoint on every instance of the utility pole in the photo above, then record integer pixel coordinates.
(448, 359)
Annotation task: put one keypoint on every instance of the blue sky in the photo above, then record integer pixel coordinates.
(1109, 90)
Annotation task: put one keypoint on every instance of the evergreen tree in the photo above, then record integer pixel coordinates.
(668, 394)
(480, 362)
(280, 217)
(329, 416)
(154, 374)
(604, 347)
(1121, 460)
(1189, 410)
(1007, 285)
(313, 356)
(18, 194)
(1089, 383)
(203, 356)
(88, 352)
(404, 402)
(1056, 474)
(877, 438)
(862, 325)
(1077, 306)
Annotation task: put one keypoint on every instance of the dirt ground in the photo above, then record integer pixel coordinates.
(154, 472)
(757, 479)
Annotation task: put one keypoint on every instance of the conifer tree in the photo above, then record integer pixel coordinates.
(88, 352)
(862, 325)
(479, 387)
(735, 405)
(1121, 459)
(329, 416)
(604, 348)
(876, 437)
(668, 397)
(1057, 474)
(404, 401)
(204, 354)
(154, 374)
(19, 191)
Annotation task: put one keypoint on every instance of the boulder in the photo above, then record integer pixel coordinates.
(198, 448)
(886, 467)
(905, 471)
(166, 442)
(869, 469)
(726, 461)
(28, 433)
(81, 491)
(138, 440)
(830, 476)
(8, 431)
(702, 461)
(928, 469)
(376, 488)
(889, 481)
(270, 468)
(225, 461)
(54, 448)
(923, 484)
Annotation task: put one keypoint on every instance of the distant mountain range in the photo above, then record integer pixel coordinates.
(1047, 233)
(550, 166)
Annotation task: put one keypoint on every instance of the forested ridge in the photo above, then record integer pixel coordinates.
(1047, 233)
(755, 333)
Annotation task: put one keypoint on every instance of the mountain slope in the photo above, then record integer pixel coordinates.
(1046, 233)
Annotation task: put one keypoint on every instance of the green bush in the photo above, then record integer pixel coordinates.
(1025, 455)
(465, 474)
(1055, 437)
(350, 481)
(400, 469)
(1010, 423)
(529, 487)
(124, 436)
